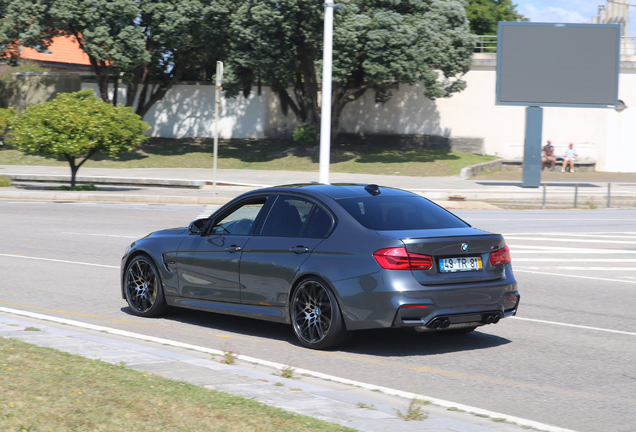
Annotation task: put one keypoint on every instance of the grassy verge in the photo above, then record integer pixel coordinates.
(272, 155)
(48, 390)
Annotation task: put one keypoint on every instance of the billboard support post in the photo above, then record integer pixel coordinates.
(532, 147)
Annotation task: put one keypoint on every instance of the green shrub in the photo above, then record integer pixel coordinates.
(5, 181)
(306, 134)
(77, 126)
(6, 114)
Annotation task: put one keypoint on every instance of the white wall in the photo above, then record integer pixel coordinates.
(188, 111)
(601, 135)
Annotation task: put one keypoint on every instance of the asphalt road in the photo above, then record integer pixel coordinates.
(566, 360)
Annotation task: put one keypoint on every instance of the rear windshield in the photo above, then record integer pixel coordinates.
(392, 213)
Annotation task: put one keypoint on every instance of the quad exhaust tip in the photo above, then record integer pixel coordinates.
(492, 319)
(442, 323)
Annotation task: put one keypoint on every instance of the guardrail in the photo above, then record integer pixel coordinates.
(488, 44)
(576, 195)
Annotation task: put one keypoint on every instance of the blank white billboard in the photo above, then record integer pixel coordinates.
(548, 64)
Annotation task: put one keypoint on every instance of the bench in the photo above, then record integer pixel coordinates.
(579, 165)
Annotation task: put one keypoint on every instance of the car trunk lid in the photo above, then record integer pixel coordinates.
(458, 244)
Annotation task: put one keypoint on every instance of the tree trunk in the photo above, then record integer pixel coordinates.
(156, 92)
(75, 168)
(100, 69)
(115, 90)
(340, 99)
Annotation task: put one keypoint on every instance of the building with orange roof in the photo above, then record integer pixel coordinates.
(63, 55)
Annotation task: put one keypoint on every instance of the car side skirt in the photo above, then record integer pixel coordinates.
(268, 313)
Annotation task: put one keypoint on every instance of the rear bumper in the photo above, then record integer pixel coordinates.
(395, 299)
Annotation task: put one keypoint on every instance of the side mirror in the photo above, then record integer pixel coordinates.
(198, 226)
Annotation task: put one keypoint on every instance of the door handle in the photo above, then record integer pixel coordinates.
(299, 249)
(233, 248)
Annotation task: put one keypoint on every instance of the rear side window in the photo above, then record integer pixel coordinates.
(296, 217)
(392, 213)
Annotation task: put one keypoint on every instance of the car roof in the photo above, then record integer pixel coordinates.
(340, 190)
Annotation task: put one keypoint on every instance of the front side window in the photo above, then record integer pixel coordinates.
(240, 220)
(392, 213)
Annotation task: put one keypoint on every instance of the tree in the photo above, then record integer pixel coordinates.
(485, 14)
(377, 44)
(9, 50)
(147, 44)
(77, 126)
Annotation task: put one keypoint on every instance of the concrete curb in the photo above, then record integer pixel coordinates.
(473, 170)
(114, 197)
(123, 181)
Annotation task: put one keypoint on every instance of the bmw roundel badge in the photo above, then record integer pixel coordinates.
(464, 247)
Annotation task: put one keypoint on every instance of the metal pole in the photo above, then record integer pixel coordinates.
(325, 115)
(576, 193)
(217, 106)
(609, 188)
(532, 147)
(544, 187)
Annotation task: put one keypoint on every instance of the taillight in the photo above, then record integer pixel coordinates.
(501, 257)
(400, 259)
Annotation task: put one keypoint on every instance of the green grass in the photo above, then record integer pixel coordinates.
(47, 390)
(271, 155)
(5, 181)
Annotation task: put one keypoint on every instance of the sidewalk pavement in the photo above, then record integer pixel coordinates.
(189, 186)
(332, 400)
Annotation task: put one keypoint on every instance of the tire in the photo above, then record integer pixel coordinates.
(143, 289)
(315, 315)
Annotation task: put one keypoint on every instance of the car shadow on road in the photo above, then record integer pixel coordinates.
(407, 342)
(378, 342)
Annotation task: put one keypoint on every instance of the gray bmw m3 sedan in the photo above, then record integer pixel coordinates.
(329, 260)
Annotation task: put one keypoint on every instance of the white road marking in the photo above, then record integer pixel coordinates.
(574, 276)
(591, 234)
(279, 366)
(59, 261)
(552, 239)
(525, 249)
(575, 326)
(103, 235)
(498, 219)
(594, 260)
(556, 268)
(594, 235)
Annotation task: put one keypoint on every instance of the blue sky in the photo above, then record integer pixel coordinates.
(567, 11)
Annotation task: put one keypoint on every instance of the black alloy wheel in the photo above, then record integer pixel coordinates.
(315, 315)
(142, 285)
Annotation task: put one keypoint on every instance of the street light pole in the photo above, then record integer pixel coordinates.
(325, 114)
(217, 106)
